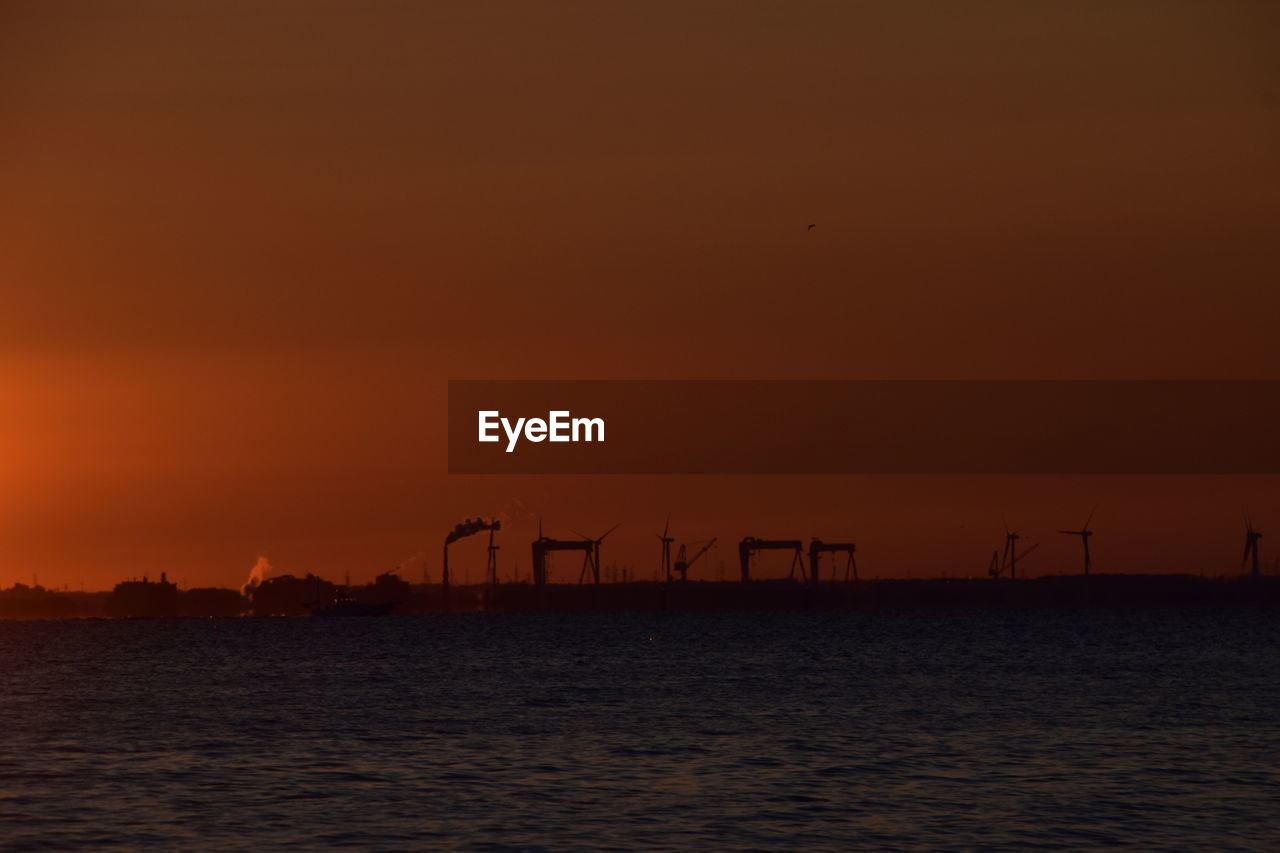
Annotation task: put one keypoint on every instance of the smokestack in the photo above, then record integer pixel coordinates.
(470, 527)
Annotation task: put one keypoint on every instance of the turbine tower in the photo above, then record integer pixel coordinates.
(1084, 533)
(665, 566)
(593, 556)
(1011, 538)
(1251, 537)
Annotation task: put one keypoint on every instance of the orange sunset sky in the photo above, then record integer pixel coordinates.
(243, 245)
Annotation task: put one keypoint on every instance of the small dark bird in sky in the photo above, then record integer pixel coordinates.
(812, 225)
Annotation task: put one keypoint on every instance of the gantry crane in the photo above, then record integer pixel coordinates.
(817, 548)
(544, 545)
(750, 545)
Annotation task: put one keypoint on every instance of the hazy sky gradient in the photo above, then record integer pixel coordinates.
(243, 245)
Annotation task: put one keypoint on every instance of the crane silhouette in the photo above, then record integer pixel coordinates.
(750, 545)
(817, 548)
(544, 546)
(683, 564)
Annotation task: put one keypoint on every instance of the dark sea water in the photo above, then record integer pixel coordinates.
(1159, 730)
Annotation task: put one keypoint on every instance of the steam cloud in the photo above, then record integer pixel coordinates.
(260, 571)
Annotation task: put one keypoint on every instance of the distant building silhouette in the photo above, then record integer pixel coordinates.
(144, 599)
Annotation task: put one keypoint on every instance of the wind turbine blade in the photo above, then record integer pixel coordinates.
(607, 532)
(666, 527)
(1090, 518)
(581, 535)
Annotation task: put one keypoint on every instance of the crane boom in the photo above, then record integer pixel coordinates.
(704, 549)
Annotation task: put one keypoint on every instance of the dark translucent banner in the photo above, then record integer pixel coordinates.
(863, 427)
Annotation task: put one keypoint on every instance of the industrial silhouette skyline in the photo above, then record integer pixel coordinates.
(228, 329)
(869, 304)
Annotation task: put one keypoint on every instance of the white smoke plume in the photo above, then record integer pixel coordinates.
(261, 571)
(409, 565)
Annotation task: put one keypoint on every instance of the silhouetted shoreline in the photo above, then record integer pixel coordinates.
(283, 596)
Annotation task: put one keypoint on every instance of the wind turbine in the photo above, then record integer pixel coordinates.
(665, 567)
(1251, 538)
(1010, 557)
(1084, 533)
(593, 556)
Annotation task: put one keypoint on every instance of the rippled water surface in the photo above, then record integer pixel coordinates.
(1159, 729)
